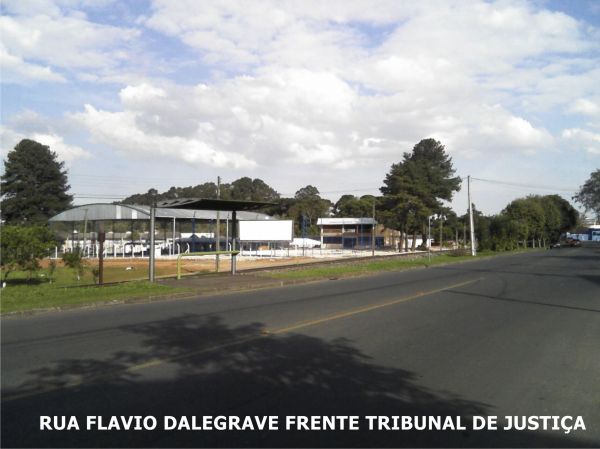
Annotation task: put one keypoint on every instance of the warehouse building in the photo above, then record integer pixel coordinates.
(349, 233)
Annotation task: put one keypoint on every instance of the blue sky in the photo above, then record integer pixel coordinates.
(141, 94)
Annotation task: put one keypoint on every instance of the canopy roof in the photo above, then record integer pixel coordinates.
(213, 204)
(109, 212)
(345, 221)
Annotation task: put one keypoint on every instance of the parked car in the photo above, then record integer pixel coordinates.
(574, 243)
(555, 245)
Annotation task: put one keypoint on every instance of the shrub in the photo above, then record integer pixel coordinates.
(22, 247)
(75, 260)
(459, 252)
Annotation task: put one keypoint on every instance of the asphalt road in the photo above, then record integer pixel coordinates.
(509, 336)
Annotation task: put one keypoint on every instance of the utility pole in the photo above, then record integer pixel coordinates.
(373, 232)
(101, 238)
(152, 227)
(84, 231)
(429, 238)
(218, 230)
(303, 234)
(441, 232)
(471, 225)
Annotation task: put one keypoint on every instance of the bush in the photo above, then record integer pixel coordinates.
(51, 270)
(75, 260)
(459, 252)
(22, 247)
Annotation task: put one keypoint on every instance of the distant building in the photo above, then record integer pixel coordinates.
(592, 233)
(348, 233)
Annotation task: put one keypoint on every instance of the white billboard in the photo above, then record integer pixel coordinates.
(266, 230)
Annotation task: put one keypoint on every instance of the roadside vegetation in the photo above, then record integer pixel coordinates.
(28, 296)
(414, 200)
(349, 269)
(61, 283)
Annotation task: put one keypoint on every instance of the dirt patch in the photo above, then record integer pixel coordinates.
(165, 267)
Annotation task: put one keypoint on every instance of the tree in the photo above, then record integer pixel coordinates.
(534, 218)
(308, 207)
(589, 194)
(569, 217)
(354, 207)
(414, 188)
(34, 185)
(22, 247)
(245, 189)
(529, 213)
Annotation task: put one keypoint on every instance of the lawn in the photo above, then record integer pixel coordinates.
(23, 297)
(62, 289)
(365, 267)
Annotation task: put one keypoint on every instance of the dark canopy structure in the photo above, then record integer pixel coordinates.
(213, 204)
(232, 206)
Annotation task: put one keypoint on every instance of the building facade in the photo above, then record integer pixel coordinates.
(349, 233)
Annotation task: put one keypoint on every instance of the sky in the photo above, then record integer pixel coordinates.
(139, 94)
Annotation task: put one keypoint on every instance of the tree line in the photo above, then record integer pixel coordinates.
(415, 193)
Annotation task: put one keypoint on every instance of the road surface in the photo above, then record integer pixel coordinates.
(509, 336)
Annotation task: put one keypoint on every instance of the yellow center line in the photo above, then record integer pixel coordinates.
(369, 308)
(282, 330)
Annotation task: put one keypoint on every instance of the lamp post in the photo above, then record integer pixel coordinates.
(429, 238)
(373, 232)
(441, 231)
(151, 272)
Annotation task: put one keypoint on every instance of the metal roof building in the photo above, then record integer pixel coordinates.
(110, 212)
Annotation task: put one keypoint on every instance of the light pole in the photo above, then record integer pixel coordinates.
(429, 238)
(471, 225)
(373, 232)
(441, 231)
(151, 272)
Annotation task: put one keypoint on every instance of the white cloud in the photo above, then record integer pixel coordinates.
(65, 41)
(585, 107)
(279, 118)
(16, 70)
(588, 140)
(41, 36)
(316, 85)
(66, 152)
(120, 131)
(50, 7)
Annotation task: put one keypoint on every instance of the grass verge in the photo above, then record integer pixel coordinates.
(365, 267)
(24, 297)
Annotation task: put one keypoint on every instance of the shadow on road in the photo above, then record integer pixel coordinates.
(194, 365)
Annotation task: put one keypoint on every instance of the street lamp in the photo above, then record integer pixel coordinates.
(442, 217)
(429, 237)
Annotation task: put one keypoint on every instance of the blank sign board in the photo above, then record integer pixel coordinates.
(266, 230)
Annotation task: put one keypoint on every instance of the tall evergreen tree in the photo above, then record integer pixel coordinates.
(34, 185)
(414, 188)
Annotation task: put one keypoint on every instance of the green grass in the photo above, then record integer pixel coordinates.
(24, 297)
(64, 276)
(366, 267)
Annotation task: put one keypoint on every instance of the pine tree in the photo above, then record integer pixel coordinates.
(415, 187)
(34, 185)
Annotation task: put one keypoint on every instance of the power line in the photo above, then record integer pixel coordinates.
(529, 186)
